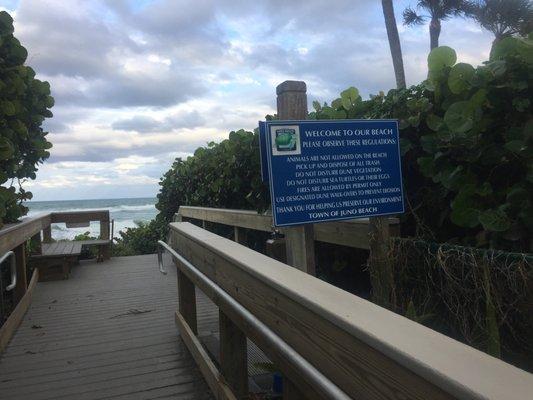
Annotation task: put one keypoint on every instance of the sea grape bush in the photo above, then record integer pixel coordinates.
(466, 138)
(24, 104)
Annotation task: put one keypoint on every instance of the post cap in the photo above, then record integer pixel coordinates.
(291, 86)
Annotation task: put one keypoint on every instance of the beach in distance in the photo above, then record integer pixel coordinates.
(125, 213)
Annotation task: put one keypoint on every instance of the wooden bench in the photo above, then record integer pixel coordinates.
(56, 259)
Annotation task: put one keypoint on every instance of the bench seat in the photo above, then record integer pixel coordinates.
(56, 259)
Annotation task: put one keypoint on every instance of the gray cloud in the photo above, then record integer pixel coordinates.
(118, 67)
(145, 124)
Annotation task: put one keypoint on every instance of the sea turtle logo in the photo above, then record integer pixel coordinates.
(286, 139)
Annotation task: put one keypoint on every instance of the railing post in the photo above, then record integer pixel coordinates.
(22, 280)
(381, 274)
(233, 356)
(300, 240)
(187, 301)
(36, 244)
(105, 235)
(239, 235)
(47, 234)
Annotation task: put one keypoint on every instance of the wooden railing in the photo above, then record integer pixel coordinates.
(16, 236)
(366, 351)
(353, 233)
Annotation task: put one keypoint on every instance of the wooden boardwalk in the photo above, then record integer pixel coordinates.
(106, 333)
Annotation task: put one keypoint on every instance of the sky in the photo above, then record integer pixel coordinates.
(138, 83)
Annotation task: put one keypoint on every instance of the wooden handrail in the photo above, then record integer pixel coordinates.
(13, 235)
(352, 233)
(366, 350)
(7, 330)
(80, 216)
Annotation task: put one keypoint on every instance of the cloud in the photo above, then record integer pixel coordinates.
(138, 82)
(145, 123)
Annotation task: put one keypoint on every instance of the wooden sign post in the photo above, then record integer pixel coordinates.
(300, 239)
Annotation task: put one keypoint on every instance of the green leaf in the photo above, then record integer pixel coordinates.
(6, 149)
(427, 166)
(460, 77)
(515, 146)
(336, 104)
(479, 98)
(328, 111)
(434, 122)
(517, 196)
(521, 104)
(405, 146)
(465, 217)
(494, 220)
(7, 108)
(459, 117)
(349, 97)
(497, 68)
(441, 57)
(429, 143)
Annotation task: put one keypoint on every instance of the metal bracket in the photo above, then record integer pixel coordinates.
(13, 269)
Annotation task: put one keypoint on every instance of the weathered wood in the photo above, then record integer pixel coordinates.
(105, 250)
(381, 274)
(36, 243)
(239, 235)
(300, 247)
(212, 376)
(292, 100)
(80, 216)
(12, 235)
(275, 248)
(47, 234)
(90, 338)
(368, 351)
(300, 240)
(253, 334)
(233, 356)
(13, 321)
(22, 283)
(241, 218)
(187, 301)
(352, 233)
(59, 249)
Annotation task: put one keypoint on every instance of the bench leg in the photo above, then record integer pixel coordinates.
(65, 268)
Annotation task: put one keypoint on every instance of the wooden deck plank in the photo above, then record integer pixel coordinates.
(88, 337)
(58, 249)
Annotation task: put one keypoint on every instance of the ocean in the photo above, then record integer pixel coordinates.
(125, 213)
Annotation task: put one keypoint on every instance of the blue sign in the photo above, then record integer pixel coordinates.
(333, 170)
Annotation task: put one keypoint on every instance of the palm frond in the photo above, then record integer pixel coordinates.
(410, 17)
(503, 17)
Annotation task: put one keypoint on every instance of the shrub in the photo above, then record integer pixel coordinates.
(141, 239)
(466, 135)
(24, 104)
